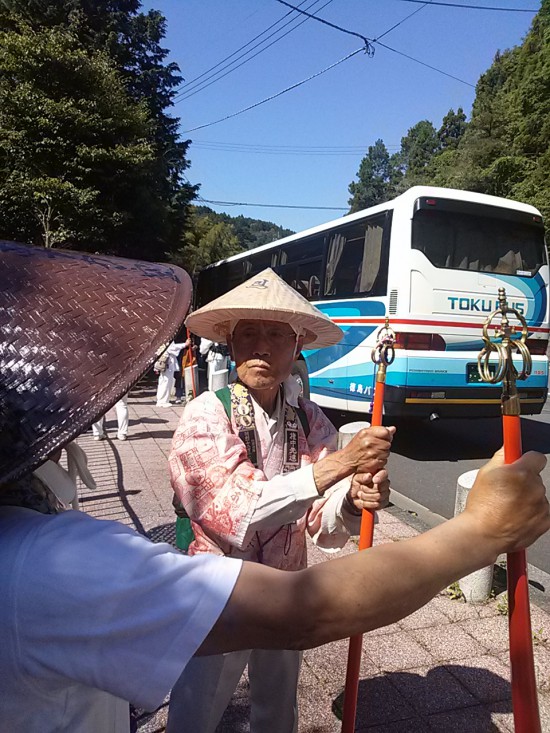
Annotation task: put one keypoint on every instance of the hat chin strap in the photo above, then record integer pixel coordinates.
(295, 353)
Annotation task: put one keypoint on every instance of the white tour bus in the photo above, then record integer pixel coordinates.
(432, 260)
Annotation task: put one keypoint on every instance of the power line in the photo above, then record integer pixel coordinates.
(475, 7)
(236, 52)
(283, 149)
(423, 63)
(273, 206)
(189, 91)
(370, 49)
(396, 25)
(278, 94)
(389, 48)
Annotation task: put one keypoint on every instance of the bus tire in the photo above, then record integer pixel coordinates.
(299, 371)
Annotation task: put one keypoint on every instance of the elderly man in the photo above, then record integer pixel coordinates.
(93, 614)
(258, 473)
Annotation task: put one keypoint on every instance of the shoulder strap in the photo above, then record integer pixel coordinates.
(224, 396)
(303, 419)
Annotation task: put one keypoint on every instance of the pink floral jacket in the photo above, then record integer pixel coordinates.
(221, 489)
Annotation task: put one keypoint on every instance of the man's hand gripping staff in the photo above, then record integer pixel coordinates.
(382, 355)
(524, 690)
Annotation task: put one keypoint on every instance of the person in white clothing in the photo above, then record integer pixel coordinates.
(166, 377)
(216, 356)
(121, 407)
(93, 615)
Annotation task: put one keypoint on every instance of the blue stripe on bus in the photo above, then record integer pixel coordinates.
(318, 359)
(534, 289)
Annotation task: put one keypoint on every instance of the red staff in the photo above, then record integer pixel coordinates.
(383, 355)
(524, 689)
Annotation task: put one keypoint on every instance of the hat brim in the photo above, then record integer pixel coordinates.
(79, 331)
(214, 324)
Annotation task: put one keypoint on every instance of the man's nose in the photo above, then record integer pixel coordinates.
(262, 344)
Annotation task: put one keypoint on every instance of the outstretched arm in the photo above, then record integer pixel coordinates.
(506, 511)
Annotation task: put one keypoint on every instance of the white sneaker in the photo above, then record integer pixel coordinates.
(100, 437)
(121, 436)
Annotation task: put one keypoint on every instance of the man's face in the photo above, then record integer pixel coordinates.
(264, 352)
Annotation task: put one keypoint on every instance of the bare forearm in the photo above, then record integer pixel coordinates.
(351, 595)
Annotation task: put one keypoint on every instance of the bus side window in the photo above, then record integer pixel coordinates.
(355, 259)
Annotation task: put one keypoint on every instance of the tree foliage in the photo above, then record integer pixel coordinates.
(504, 149)
(206, 240)
(89, 157)
(375, 179)
(249, 232)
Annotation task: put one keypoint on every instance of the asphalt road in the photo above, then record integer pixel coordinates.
(428, 457)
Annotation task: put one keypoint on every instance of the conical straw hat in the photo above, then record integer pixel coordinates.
(78, 331)
(264, 297)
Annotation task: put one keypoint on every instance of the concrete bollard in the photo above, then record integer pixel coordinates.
(476, 587)
(347, 431)
(188, 381)
(219, 380)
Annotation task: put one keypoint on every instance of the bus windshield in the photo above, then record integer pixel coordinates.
(481, 243)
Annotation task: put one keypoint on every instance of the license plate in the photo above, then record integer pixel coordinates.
(472, 373)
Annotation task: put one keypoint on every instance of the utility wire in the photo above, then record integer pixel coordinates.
(389, 48)
(192, 81)
(476, 7)
(272, 206)
(368, 46)
(260, 148)
(424, 4)
(423, 63)
(191, 90)
(278, 94)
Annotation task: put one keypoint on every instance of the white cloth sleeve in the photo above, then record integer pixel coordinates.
(99, 604)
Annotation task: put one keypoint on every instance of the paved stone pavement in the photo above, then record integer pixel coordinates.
(445, 668)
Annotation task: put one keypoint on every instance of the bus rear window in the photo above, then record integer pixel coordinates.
(464, 241)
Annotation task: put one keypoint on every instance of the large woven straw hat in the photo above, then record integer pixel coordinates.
(76, 332)
(264, 297)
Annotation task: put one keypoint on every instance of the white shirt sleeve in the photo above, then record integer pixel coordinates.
(204, 346)
(99, 604)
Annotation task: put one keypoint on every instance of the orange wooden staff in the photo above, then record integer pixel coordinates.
(524, 688)
(383, 355)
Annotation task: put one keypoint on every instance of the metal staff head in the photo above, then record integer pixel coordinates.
(383, 352)
(505, 346)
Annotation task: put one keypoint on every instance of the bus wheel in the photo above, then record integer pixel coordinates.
(299, 371)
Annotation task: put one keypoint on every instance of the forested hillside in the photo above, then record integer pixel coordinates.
(503, 150)
(212, 237)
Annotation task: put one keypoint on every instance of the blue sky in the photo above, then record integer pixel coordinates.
(329, 122)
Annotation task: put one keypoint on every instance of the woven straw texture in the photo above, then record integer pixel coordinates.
(77, 331)
(267, 297)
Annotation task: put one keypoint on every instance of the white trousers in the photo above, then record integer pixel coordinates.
(204, 689)
(121, 407)
(165, 386)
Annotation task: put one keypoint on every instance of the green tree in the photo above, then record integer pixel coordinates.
(452, 129)
(418, 148)
(374, 179)
(140, 202)
(204, 242)
(74, 147)
(250, 232)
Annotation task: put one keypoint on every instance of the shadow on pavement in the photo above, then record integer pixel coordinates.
(456, 697)
(155, 434)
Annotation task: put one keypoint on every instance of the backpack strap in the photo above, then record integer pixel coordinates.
(224, 396)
